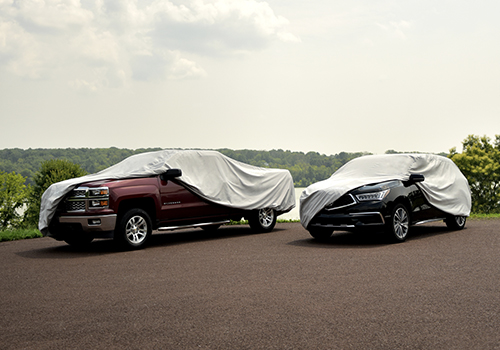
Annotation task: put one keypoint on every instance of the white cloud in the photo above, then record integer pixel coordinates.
(396, 29)
(115, 41)
(47, 15)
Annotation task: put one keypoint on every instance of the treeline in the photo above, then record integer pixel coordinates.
(306, 168)
(27, 162)
(26, 174)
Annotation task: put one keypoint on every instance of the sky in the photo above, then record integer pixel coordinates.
(326, 76)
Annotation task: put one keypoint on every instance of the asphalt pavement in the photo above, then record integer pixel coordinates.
(233, 289)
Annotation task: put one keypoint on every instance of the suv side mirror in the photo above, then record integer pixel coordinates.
(416, 178)
(171, 174)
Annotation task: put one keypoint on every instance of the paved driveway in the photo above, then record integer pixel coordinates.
(237, 290)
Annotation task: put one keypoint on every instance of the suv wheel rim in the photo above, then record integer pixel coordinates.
(401, 223)
(266, 217)
(460, 220)
(136, 229)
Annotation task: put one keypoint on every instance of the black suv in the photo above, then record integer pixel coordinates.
(391, 205)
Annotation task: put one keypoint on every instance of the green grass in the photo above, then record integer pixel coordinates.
(14, 234)
(483, 216)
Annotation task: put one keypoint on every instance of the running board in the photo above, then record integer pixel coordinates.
(171, 228)
(430, 220)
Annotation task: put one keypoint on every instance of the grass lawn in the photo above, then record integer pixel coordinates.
(12, 235)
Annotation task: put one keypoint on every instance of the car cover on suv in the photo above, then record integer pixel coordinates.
(444, 186)
(209, 174)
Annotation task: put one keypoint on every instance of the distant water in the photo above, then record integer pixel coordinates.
(294, 213)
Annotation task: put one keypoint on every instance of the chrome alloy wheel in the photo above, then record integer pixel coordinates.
(266, 217)
(136, 229)
(400, 223)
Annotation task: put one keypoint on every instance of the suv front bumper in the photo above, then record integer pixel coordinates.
(349, 220)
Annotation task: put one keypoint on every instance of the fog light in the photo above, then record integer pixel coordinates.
(94, 222)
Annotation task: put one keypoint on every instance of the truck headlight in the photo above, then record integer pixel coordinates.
(98, 198)
(98, 192)
(98, 204)
(373, 196)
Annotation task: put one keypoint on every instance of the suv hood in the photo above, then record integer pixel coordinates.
(376, 187)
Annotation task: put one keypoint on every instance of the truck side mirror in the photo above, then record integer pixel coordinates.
(171, 174)
(417, 178)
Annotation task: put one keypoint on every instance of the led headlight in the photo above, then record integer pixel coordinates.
(373, 196)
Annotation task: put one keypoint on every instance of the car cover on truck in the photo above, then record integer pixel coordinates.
(444, 186)
(210, 174)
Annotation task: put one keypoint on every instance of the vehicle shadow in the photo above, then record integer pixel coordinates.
(199, 235)
(158, 239)
(371, 239)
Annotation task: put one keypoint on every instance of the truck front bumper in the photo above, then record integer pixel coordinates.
(91, 223)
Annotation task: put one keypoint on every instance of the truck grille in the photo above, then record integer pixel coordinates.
(87, 198)
(75, 206)
(79, 193)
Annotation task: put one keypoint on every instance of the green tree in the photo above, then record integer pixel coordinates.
(13, 193)
(51, 171)
(480, 163)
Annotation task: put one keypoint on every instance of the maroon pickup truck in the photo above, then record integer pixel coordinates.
(128, 210)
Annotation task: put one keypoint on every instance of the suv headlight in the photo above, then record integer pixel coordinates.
(372, 196)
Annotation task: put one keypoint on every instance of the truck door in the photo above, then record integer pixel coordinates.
(180, 204)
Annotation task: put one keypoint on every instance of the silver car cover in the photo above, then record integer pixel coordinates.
(444, 186)
(209, 174)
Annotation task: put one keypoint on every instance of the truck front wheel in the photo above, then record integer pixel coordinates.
(134, 229)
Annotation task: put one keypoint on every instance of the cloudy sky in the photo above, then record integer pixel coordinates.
(318, 75)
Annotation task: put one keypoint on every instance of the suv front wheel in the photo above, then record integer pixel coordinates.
(398, 226)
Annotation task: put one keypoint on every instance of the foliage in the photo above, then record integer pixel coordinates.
(306, 168)
(483, 216)
(480, 163)
(13, 193)
(27, 162)
(15, 234)
(51, 171)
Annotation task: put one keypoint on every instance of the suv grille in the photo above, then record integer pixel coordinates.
(344, 201)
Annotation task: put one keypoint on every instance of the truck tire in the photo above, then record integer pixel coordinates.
(262, 220)
(134, 229)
